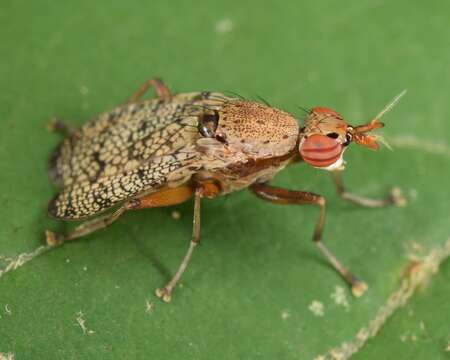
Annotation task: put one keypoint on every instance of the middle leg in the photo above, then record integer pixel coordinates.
(165, 293)
(207, 189)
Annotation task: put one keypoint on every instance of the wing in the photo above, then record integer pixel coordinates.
(84, 199)
(118, 140)
(134, 149)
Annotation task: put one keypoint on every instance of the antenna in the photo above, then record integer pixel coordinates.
(389, 106)
(370, 141)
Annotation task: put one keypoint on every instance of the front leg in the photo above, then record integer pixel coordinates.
(284, 196)
(394, 197)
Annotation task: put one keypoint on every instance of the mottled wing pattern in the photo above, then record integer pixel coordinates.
(84, 199)
(126, 152)
(119, 140)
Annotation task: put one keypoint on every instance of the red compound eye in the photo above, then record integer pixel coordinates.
(320, 150)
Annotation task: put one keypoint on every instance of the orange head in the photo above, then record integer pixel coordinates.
(325, 136)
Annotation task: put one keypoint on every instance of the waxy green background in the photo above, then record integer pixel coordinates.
(247, 291)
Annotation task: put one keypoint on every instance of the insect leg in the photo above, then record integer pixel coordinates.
(393, 198)
(162, 91)
(284, 196)
(165, 197)
(85, 228)
(57, 125)
(165, 293)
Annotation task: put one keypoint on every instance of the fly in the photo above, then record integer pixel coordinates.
(164, 151)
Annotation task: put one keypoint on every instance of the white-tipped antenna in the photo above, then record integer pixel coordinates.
(386, 109)
(389, 106)
(382, 139)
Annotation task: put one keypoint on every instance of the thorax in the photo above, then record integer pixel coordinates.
(252, 143)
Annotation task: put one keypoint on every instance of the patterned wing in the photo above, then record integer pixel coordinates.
(132, 150)
(121, 139)
(84, 199)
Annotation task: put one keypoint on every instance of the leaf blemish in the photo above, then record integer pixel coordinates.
(340, 298)
(317, 308)
(225, 25)
(8, 310)
(415, 277)
(6, 356)
(427, 146)
(176, 215)
(149, 307)
(285, 314)
(21, 259)
(82, 323)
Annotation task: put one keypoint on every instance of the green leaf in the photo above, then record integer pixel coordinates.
(249, 290)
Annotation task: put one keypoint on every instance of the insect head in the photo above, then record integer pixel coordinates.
(326, 135)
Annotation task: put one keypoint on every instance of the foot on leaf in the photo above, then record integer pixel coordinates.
(165, 294)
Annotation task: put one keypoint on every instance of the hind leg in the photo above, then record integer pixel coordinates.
(84, 229)
(165, 197)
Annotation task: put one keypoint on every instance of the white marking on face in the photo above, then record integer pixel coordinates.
(338, 165)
